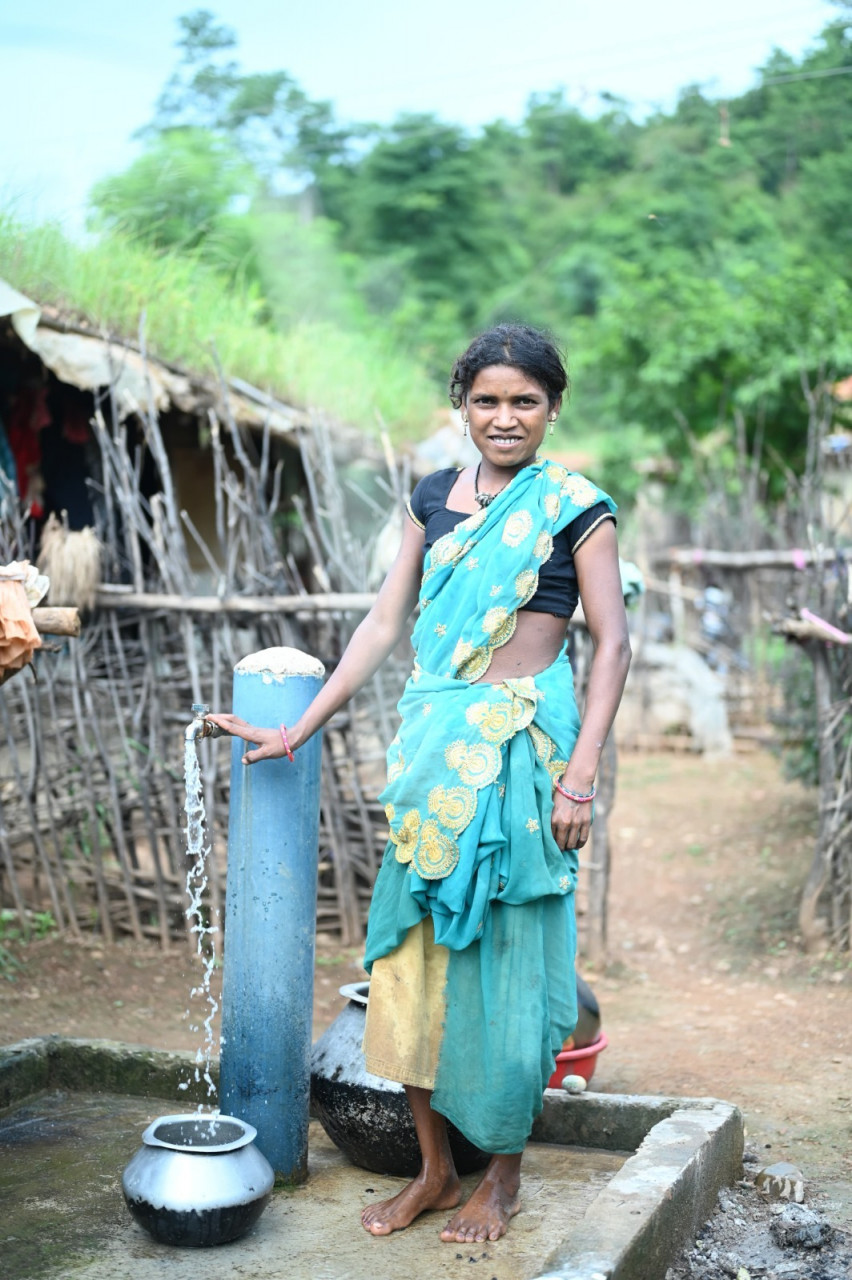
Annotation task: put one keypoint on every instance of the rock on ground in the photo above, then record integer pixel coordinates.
(750, 1238)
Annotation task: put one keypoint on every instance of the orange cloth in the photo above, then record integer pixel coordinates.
(18, 635)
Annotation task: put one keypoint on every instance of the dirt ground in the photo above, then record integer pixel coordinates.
(706, 990)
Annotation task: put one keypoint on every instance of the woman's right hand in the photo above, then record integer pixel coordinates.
(270, 743)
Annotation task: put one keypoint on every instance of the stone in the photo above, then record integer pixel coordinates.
(574, 1084)
(781, 1181)
(671, 689)
(797, 1227)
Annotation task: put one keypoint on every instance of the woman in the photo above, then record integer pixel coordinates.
(471, 935)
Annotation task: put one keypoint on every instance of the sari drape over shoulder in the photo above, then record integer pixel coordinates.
(469, 800)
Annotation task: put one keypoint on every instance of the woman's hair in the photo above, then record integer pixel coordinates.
(518, 345)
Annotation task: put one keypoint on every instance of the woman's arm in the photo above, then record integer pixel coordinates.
(599, 579)
(372, 642)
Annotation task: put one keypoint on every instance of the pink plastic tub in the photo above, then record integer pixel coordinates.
(577, 1062)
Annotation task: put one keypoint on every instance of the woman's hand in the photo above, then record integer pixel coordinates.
(270, 742)
(570, 822)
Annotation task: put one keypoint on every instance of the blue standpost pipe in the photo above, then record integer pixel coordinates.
(270, 915)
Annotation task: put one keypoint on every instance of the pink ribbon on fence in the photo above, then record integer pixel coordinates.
(831, 632)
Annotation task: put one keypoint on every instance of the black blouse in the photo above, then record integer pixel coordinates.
(557, 591)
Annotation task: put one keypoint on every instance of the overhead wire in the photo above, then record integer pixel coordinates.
(806, 75)
(604, 55)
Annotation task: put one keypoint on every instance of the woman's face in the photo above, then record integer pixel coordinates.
(508, 415)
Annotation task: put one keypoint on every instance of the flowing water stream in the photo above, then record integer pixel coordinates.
(199, 914)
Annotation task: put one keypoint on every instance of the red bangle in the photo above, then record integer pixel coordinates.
(573, 795)
(288, 750)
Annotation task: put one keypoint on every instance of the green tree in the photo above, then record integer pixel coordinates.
(179, 192)
(567, 148)
(265, 115)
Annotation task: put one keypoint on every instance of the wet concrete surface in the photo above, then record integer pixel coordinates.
(63, 1215)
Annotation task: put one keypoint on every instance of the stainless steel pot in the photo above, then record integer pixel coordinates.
(197, 1180)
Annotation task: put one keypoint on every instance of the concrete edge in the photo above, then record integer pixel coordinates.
(24, 1072)
(609, 1121)
(658, 1199)
(686, 1149)
(36, 1066)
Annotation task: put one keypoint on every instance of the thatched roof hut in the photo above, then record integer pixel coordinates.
(221, 515)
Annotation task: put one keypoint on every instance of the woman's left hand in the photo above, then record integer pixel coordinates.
(570, 822)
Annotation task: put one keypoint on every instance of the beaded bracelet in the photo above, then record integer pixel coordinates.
(288, 750)
(574, 795)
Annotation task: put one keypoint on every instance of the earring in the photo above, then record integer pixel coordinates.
(551, 420)
(464, 420)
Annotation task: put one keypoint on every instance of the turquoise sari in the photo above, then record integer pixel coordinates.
(469, 800)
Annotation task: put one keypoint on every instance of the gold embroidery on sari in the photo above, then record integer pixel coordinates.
(543, 548)
(580, 490)
(517, 527)
(436, 854)
(494, 719)
(525, 584)
(475, 664)
(406, 835)
(552, 505)
(454, 806)
(477, 764)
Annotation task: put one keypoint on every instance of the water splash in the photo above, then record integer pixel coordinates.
(197, 913)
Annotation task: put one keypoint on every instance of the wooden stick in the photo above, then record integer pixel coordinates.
(28, 797)
(696, 557)
(51, 621)
(85, 751)
(809, 924)
(800, 629)
(151, 601)
(599, 868)
(58, 862)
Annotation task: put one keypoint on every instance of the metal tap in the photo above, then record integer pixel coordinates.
(201, 728)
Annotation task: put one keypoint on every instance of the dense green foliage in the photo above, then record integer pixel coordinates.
(695, 264)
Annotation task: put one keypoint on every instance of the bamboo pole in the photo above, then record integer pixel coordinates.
(600, 863)
(118, 835)
(697, 557)
(97, 862)
(344, 874)
(61, 873)
(11, 870)
(26, 796)
(109, 597)
(809, 924)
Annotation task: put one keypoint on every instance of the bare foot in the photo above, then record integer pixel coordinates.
(441, 1191)
(488, 1211)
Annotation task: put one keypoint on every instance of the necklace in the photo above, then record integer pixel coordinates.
(484, 499)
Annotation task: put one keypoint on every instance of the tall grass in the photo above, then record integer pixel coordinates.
(353, 375)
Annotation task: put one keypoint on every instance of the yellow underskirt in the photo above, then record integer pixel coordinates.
(406, 1008)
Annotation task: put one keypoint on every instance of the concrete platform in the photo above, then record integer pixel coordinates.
(612, 1186)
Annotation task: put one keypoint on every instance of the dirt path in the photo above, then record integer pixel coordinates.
(706, 991)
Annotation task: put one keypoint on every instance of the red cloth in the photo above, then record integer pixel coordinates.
(28, 417)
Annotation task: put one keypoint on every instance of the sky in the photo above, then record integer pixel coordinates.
(81, 78)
